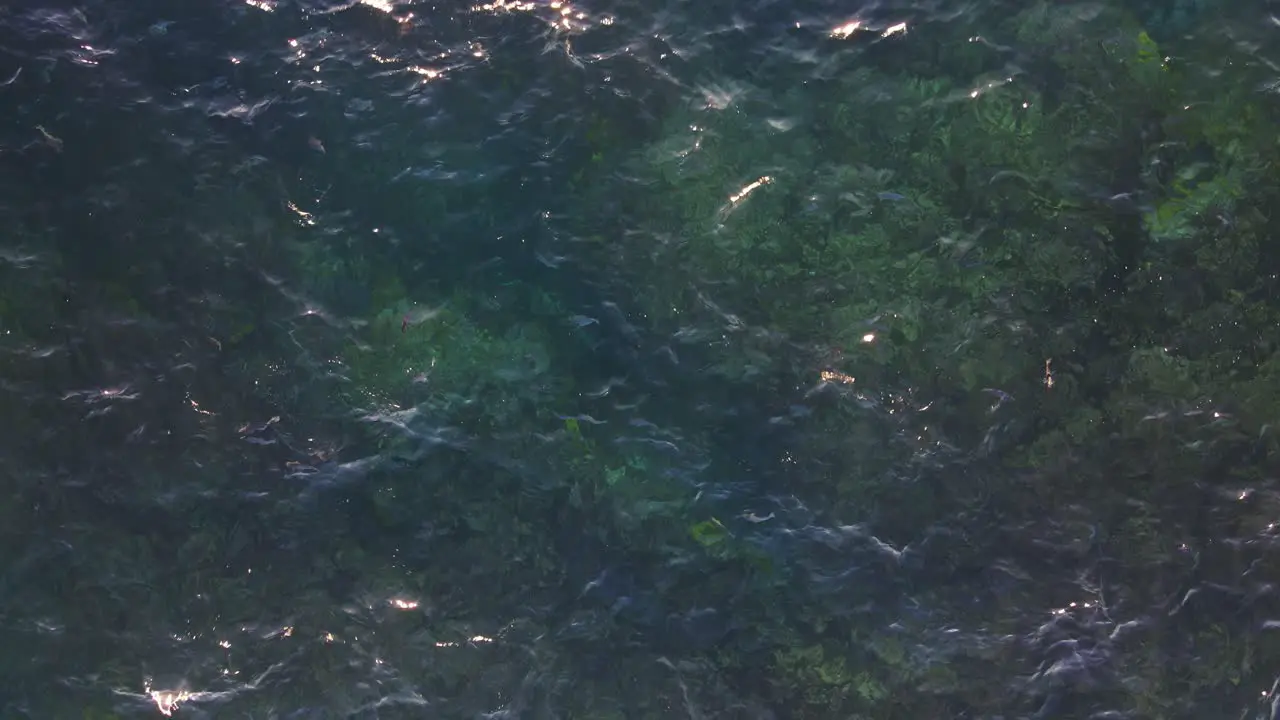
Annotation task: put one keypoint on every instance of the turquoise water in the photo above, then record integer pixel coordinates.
(618, 360)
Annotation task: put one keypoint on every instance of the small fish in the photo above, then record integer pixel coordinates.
(891, 196)
(1002, 397)
(315, 144)
(50, 140)
(551, 261)
(416, 316)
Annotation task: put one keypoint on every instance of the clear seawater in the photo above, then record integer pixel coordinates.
(608, 359)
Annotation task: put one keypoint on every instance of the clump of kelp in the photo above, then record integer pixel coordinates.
(1024, 283)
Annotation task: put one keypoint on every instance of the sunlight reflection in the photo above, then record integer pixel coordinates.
(166, 701)
(846, 30)
(1072, 606)
(831, 376)
(474, 640)
(562, 16)
(305, 218)
(894, 29)
(428, 73)
(991, 85)
(196, 406)
(500, 6)
(738, 197)
(750, 188)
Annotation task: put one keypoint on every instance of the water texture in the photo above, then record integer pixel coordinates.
(639, 360)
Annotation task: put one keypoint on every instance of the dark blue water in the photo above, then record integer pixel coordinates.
(621, 360)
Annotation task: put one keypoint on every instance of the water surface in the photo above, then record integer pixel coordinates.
(638, 360)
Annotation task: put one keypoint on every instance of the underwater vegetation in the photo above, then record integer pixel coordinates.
(1001, 291)
(1030, 278)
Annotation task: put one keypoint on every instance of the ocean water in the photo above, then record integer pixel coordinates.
(606, 359)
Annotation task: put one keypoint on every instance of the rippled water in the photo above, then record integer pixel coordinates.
(621, 360)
